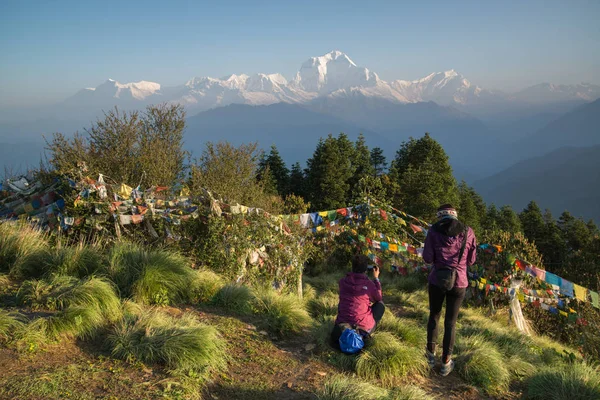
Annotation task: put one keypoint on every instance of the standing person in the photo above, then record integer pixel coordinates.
(360, 305)
(451, 247)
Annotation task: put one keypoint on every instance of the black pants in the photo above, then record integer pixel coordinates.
(378, 309)
(454, 299)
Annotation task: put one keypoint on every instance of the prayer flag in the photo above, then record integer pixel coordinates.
(552, 279)
(566, 288)
(594, 296)
(394, 248)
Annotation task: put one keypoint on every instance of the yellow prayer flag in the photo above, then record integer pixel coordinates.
(521, 296)
(124, 191)
(580, 292)
(401, 221)
(483, 280)
(323, 213)
(481, 285)
(394, 247)
(564, 314)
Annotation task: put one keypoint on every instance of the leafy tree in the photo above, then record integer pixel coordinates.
(135, 148)
(425, 177)
(378, 161)
(230, 173)
(279, 173)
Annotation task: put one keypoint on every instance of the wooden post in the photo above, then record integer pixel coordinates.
(300, 294)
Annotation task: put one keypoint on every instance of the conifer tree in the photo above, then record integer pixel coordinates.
(361, 163)
(279, 173)
(532, 221)
(329, 171)
(378, 161)
(425, 177)
(508, 220)
(468, 211)
(492, 217)
(297, 181)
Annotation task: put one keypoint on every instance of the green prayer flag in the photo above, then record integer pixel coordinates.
(332, 215)
(594, 296)
(361, 238)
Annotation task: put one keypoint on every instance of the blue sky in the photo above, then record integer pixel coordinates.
(50, 49)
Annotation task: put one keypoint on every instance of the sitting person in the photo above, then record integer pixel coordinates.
(360, 305)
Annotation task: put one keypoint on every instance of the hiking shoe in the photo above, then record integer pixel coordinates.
(430, 358)
(447, 368)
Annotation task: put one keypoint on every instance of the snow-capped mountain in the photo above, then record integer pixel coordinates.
(333, 75)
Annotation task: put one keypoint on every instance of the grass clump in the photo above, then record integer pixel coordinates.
(405, 329)
(180, 345)
(386, 358)
(205, 285)
(323, 305)
(9, 323)
(87, 307)
(282, 314)
(236, 298)
(149, 276)
(409, 392)
(46, 294)
(324, 282)
(343, 387)
(576, 381)
(78, 261)
(481, 364)
(409, 283)
(22, 250)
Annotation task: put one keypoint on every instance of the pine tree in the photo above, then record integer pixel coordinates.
(329, 171)
(552, 245)
(532, 221)
(279, 173)
(425, 177)
(492, 218)
(509, 221)
(378, 161)
(297, 181)
(468, 211)
(361, 164)
(575, 232)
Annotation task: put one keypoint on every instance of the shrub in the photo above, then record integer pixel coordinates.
(575, 381)
(149, 276)
(323, 305)
(281, 314)
(235, 298)
(178, 344)
(22, 250)
(204, 286)
(387, 359)
(343, 387)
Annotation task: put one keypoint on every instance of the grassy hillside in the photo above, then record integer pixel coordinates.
(131, 327)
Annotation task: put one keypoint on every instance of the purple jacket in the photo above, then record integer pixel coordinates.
(442, 246)
(357, 292)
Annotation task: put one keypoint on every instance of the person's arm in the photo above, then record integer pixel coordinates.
(428, 250)
(472, 255)
(375, 294)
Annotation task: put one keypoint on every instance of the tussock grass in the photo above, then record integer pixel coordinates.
(179, 344)
(308, 292)
(406, 329)
(481, 364)
(79, 261)
(281, 314)
(323, 305)
(409, 283)
(9, 323)
(205, 285)
(45, 294)
(23, 250)
(87, 307)
(324, 282)
(409, 392)
(387, 359)
(576, 381)
(235, 298)
(321, 332)
(343, 387)
(149, 276)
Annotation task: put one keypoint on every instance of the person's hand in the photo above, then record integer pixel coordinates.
(375, 272)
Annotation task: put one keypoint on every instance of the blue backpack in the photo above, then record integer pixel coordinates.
(351, 342)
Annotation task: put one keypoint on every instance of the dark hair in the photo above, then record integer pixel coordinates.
(445, 207)
(360, 262)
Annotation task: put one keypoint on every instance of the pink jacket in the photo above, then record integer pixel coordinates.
(357, 292)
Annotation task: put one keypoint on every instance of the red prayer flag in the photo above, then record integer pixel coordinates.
(415, 228)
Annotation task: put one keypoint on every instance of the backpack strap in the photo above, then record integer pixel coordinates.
(464, 244)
